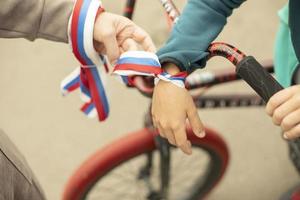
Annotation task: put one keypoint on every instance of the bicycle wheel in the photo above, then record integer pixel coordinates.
(116, 172)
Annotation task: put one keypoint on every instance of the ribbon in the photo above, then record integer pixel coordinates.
(146, 64)
(87, 77)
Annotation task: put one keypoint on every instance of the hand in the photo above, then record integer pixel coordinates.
(171, 106)
(114, 34)
(284, 108)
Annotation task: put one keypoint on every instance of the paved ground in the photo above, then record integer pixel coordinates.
(55, 137)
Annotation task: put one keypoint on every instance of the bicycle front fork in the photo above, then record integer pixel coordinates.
(165, 159)
(164, 153)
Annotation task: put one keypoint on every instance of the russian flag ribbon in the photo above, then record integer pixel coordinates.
(144, 63)
(87, 77)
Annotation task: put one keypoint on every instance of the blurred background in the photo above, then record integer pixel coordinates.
(55, 137)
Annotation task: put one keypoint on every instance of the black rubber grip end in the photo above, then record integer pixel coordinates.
(258, 78)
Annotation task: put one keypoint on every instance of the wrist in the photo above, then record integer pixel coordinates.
(170, 68)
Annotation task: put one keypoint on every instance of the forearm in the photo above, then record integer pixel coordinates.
(32, 19)
(200, 23)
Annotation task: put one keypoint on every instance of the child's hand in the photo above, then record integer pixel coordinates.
(114, 34)
(171, 106)
(284, 108)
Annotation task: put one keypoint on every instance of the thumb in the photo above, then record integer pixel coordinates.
(194, 120)
(111, 45)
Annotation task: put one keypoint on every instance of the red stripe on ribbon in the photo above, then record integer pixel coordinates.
(74, 28)
(139, 68)
(95, 96)
(74, 87)
(85, 106)
(181, 74)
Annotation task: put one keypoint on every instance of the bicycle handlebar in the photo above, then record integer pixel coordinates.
(258, 78)
(246, 67)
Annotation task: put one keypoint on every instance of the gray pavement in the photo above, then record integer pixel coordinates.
(55, 137)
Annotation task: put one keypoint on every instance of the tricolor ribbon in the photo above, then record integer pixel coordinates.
(146, 64)
(87, 77)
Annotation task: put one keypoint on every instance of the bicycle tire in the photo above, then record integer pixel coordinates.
(135, 144)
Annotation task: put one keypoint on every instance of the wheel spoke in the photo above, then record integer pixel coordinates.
(123, 182)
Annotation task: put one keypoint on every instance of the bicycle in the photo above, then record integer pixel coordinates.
(152, 158)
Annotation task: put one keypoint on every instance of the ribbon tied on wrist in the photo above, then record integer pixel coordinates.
(88, 77)
(146, 64)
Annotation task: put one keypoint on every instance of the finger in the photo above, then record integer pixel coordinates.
(181, 140)
(293, 133)
(284, 109)
(190, 146)
(122, 50)
(160, 130)
(170, 136)
(142, 38)
(129, 45)
(194, 119)
(111, 45)
(277, 99)
(290, 120)
(99, 47)
(154, 122)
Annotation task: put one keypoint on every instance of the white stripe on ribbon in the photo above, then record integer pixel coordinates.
(88, 33)
(131, 72)
(139, 54)
(93, 113)
(168, 78)
(69, 79)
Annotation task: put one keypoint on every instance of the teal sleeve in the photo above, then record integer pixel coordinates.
(199, 24)
(285, 59)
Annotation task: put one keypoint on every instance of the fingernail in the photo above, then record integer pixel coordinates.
(187, 151)
(190, 148)
(186, 148)
(285, 136)
(201, 134)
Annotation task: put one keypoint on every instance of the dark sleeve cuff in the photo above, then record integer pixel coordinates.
(183, 63)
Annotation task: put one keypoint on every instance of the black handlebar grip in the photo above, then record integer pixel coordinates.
(258, 78)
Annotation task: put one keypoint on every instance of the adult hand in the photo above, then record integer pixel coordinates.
(115, 34)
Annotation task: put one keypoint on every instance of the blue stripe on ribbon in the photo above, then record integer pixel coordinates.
(71, 83)
(139, 61)
(89, 109)
(167, 76)
(125, 79)
(100, 89)
(177, 78)
(94, 70)
(80, 37)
